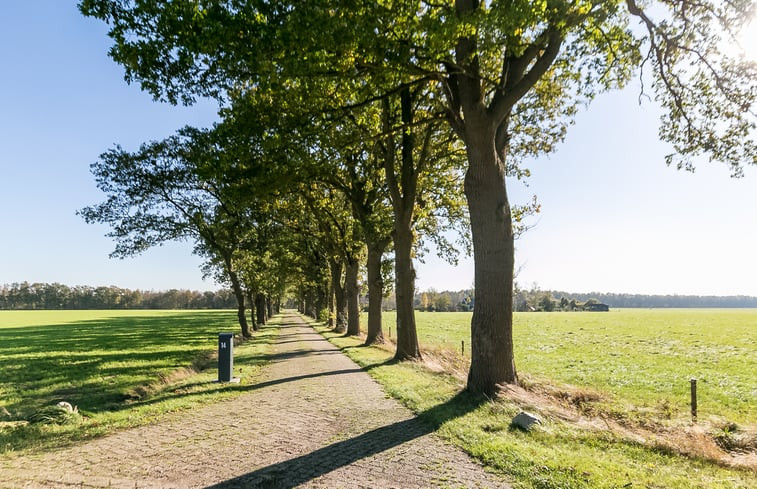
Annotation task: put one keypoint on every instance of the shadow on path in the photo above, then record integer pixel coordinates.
(261, 385)
(304, 468)
(271, 357)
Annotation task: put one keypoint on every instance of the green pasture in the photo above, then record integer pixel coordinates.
(120, 368)
(645, 357)
(640, 347)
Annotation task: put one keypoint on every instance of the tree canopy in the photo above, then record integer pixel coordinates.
(505, 77)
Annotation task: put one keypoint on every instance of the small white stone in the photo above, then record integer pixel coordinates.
(67, 406)
(525, 421)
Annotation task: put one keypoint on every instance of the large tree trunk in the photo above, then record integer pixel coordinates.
(251, 301)
(332, 307)
(404, 205)
(375, 293)
(351, 295)
(308, 300)
(493, 251)
(407, 337)
(319, 301)
(269, 306)
(239, 295)
(341, 303)
(260, 308)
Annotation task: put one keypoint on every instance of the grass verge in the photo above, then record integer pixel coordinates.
(561, 453)
(120, 369)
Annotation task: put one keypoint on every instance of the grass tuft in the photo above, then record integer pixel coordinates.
(60, 414)
(732, 438)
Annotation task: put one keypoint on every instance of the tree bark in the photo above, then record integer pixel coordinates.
(407, 336)
(269, 306)
(341, 303)
(492, 361)
(402, 189)
(239, 295)
(253, 322)
(332, 307)
(260, 308)
(306, 307)
(351, 295)
(320, 301)
(375, 293)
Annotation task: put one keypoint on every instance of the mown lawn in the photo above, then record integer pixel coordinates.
(120, 368)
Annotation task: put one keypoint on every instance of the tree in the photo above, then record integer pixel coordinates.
(158, 194)
(319, 212)
(519, 67)
(547, 303)
(442, 303)
(413, 143)
(347, 163)
(509, 76)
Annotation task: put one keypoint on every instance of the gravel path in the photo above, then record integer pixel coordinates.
(314, 419)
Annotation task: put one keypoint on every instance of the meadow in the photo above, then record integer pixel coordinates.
(645, 357)
(119, 368)
(612, 390)
(641, 356)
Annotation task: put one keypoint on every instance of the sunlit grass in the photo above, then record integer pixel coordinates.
(561, 453)
(120, 368)
(641, 356)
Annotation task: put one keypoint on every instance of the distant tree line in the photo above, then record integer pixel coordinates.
(537, 300)
(27, 295)
(662, 301)
(445, 301)
(431, 300)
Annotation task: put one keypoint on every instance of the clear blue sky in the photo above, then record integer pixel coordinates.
(614, 217)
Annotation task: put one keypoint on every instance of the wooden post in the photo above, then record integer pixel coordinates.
(694, 400)
(390, 331)
(462, 347)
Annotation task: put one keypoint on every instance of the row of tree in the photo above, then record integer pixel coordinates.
(547, 301)
(536, 299)
(26, 295)
(661, 301)
(349, 129)
(445, 301)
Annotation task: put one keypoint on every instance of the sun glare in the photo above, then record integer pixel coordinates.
(747, 40)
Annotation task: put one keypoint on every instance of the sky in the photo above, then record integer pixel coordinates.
(614, 217)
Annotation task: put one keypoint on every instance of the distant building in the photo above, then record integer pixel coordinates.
(597, 307)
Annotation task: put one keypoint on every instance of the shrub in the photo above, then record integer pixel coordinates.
(323, 315)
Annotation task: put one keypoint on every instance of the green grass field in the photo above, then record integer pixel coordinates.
(633, 358)
(120, 368)
(639, 356)
(127, 368)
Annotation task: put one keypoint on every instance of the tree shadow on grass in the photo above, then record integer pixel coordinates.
(304, 468)
(104, 365)
(96, 360)
(238, 387)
